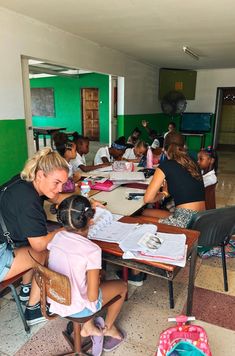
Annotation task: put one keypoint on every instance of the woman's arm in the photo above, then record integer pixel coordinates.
(40, 243)
(153, 188)
(93, 282)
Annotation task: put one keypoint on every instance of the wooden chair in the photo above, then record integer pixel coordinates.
(57, 287)
(210, 197)
(10, 283)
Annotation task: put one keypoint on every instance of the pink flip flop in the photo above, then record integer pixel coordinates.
(111, 343)
(97, 341)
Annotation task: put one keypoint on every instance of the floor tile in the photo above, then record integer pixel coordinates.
(221, 341)
(216, 262)
(47, 341)
(214, 308)
(212, 278)
(13, 335)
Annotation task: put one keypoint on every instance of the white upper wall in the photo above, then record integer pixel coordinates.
(208, 80)
(20, 35)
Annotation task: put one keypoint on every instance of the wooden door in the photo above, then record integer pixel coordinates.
(90, 113)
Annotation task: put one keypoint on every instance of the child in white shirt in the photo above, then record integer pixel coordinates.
(79, 163)
(109, 154)
(208, 162)
(135, 154)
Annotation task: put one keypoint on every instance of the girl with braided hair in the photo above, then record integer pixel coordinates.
(74, 255)
(208, 162)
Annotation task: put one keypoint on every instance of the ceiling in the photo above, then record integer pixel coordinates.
(152, 31)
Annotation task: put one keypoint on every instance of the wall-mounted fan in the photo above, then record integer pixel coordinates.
(173, 103)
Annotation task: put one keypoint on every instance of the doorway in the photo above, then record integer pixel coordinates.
(225, 119)
(90, 113)
(97, 123)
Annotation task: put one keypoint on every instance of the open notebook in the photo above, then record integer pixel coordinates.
(106, 228)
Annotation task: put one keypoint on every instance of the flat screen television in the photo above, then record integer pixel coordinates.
(195, 122)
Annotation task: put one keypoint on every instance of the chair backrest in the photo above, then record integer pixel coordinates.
(216, 226)
(210, 197)
(52, 284)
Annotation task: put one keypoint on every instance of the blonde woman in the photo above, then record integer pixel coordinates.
(22, 211)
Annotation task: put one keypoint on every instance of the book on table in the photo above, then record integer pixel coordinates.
(139, 241)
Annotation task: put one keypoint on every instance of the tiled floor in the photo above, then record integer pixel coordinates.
(145, 314)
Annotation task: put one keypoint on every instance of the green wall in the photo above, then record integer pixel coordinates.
(67, 94)
(158, 122)
(13, 148)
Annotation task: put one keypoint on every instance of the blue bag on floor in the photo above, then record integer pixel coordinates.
(184, 348)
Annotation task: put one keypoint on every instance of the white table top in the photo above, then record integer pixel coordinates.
(118, 203)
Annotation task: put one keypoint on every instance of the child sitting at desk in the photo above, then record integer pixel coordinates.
(67, 149)
(74, 255)
(79, 163)
(110, 154)
(153, 135)
(134, 137)
(208, 162)
(171, 128)
(135, 154)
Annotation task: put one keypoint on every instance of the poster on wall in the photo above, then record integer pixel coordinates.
(42, 102)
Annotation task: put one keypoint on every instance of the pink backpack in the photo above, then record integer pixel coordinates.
(183, 339)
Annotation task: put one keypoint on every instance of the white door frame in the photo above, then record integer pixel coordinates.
(27, 106)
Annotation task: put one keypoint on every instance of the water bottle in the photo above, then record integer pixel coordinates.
(85, 188)
(149, 158)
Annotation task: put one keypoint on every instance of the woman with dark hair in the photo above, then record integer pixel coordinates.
(177, 176)
(184, 183)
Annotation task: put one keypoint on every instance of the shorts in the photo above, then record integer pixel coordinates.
(181, 218)
(6, 260)
(87, 312)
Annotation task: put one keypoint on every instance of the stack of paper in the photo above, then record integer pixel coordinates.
(172, 250)
(127, 177)
(132, 239)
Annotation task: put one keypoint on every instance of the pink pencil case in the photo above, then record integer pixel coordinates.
(106, 186)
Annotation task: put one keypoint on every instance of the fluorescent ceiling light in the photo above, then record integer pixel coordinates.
(34, 61)
(190, 53)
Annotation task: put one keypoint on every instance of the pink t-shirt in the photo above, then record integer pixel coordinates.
(72, 255)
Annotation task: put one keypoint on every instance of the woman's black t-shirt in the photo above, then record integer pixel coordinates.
(181, 185)
(23, 213)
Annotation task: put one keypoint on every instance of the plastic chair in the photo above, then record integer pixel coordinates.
(57, 287)
(10, 283)
(216, 227)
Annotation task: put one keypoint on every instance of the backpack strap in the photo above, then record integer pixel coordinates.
(6, 233)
